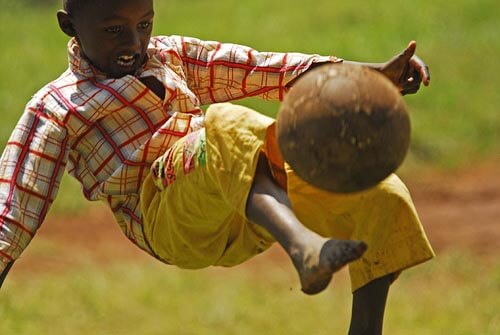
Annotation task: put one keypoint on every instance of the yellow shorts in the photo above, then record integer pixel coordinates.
(193, 203)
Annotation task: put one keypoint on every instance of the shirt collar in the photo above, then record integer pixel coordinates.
(82, 66)
(78, 64)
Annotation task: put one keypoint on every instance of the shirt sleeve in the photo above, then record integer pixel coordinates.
(218, 72)
(31, 167)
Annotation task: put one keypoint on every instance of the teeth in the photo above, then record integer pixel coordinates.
(125, 60)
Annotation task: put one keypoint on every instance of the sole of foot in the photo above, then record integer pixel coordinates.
(334, 255)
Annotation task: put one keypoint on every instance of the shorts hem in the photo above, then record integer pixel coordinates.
(395, 259)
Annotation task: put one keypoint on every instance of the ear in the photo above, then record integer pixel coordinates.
(66, 23)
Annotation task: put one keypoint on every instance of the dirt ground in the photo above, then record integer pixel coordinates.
(460, 210)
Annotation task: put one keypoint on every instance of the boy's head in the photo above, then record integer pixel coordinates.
(112, 34)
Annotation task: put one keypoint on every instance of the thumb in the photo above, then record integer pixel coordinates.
(409, 51)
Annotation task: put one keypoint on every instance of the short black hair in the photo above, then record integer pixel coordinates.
(72, 6)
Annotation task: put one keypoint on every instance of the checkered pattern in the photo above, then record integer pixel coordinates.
(107, 132)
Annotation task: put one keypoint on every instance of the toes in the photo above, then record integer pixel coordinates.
(360, 248)
(317, 286)
(341, 252)
(334, 255)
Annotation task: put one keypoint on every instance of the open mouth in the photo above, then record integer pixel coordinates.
(126, 60)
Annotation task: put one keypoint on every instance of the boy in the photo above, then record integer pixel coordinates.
(190, 189)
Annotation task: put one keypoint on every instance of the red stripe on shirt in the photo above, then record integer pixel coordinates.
(127, 103)
(116, 151)
(33, 152)
(19, 225)
(6, 256)
(52, 183)
(212, 71)
(72, 110)
(22, 156)
(282, 76)
(249, 63)
(246, 67)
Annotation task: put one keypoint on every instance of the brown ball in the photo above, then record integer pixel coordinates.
(343, 128)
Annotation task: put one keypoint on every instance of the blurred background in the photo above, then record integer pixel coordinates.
(81, 276)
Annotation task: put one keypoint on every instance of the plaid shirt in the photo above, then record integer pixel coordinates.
(107, 132)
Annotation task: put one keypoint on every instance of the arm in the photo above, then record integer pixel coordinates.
(30, 170)
(219, 72)
(406, 70)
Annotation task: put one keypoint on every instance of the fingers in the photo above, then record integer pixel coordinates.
(407, 70)
(410, 91)
(403, 58)
(409, 51)
(411, 83)
(416, 64)
(426, 76)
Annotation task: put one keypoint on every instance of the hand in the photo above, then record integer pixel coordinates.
(406, 70)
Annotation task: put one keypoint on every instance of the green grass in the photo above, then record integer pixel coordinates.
(455, 121)
(453, 294)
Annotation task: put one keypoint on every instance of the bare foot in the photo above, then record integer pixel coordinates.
(316, 264)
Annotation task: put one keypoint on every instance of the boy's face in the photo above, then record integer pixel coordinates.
(114, 34)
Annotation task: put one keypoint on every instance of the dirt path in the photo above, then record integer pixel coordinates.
(460, 210)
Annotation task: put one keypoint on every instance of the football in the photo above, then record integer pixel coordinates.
(343, 128)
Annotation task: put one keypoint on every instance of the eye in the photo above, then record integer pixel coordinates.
(145, 25)
(113, 29)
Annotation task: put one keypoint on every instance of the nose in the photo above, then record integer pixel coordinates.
(131, 39)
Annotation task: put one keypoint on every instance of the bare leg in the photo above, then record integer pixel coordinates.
(315, 258)
(368, 307)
